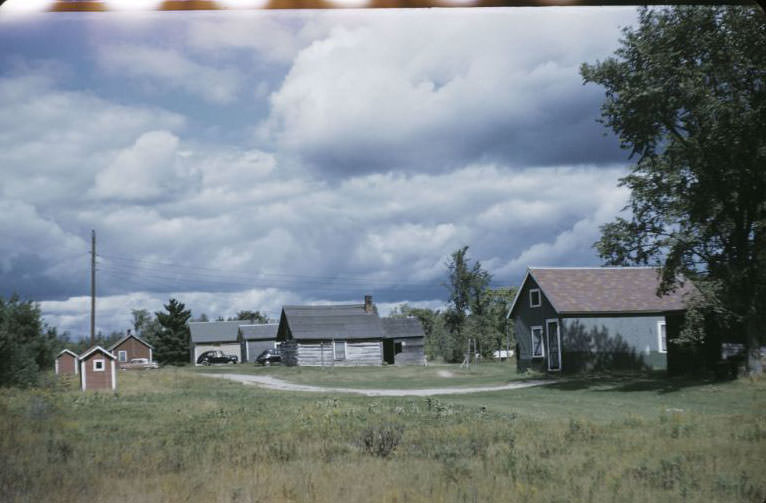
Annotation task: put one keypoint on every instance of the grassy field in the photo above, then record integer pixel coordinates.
(387, 377)
(173, 435)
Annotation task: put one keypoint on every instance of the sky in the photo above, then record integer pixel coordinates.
(251, 159)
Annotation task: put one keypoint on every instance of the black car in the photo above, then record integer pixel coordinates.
(210, 357)
(269, 356)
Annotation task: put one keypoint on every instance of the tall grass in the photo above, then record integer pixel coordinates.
(174, 436)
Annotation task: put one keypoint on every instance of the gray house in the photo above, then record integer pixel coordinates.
(579, 318)
(404, 341)
(257, 338)
(333, 335)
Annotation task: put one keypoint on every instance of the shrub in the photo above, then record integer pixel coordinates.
(381, 441)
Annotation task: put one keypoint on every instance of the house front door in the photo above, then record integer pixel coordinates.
(554, 345)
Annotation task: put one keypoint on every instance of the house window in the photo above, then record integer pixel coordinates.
(538, 351)
(662, 337)
(535, 298)
(98, 365)
(122, 356)
(339, 350)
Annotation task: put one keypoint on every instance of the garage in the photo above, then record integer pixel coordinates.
(215, 336)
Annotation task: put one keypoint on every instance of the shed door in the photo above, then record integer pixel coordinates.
(554, 344)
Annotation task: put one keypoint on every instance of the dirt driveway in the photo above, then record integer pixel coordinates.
(278, 384)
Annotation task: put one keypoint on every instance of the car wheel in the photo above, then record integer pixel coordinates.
(206, 363)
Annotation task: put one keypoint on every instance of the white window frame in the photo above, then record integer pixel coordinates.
(542, 341)
(558, 341)
(335, 354)
(95, 365)
(539, 298)
(122, 356)
(661, 324)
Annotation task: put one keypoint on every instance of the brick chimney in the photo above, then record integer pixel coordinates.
(368, 303)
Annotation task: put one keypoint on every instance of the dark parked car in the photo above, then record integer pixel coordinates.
(210, 357)
(269, 356)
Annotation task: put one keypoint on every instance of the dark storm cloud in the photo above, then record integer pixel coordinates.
(440, 95)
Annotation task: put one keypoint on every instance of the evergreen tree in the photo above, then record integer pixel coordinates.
(26, 344)
(171, 341)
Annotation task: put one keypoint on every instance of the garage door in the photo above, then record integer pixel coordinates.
(229, 349)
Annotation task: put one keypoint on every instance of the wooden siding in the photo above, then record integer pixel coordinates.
(318, 353)
(134, 349)
(96, 380)
(412, 353)
(525, 318)
(66, 364)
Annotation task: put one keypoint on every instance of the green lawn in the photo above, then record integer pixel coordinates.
(174, 435)
(386, 377)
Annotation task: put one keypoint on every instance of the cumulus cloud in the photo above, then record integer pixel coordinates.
(399, 92)
(144, 171)
(379, 159)
(168, 68)
(114, 311)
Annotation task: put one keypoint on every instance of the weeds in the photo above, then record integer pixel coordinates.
(188, 438)
(381, 441)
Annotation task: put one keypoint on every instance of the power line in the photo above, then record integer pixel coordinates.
(342, 280)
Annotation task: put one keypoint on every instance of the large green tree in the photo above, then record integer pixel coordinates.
(27, 345)
(171, 341)
(686, 94)
(467, 313)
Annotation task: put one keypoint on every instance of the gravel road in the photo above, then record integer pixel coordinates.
(278, 384)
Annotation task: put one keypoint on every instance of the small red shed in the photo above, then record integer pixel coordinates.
(130, 347)
(97, 369)
(66, 363)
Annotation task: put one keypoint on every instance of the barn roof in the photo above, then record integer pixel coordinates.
(113, 346)
(399, 328)
(214, 331)
(263, 331)
(93, 350)
(605, 290)
(66, 351)
(349, 321)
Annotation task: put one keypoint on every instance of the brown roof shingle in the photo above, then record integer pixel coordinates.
(607, 290)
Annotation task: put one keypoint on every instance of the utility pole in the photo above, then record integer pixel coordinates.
(92, 287)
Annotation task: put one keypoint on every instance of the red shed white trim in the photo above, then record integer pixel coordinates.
(67, 354)
(97, 369)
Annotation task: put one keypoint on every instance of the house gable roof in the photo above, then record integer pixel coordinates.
(96, 349)
(67, 352)
(214, 331)
(400, 328)
(342, 322)
(113, 346)
(259, 332)
(615, 290)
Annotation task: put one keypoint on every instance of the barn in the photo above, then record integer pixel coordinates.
(332, 335)
(97, 369)
(257, 338)
(66, 363)
(581, 318)
(130, 347)
(215, 335)
(404, 341)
